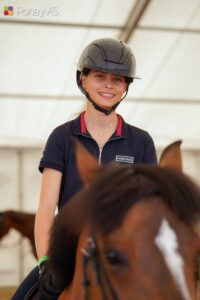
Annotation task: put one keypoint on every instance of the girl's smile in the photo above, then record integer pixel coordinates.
(105, 89)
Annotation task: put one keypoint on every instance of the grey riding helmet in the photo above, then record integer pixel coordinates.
(106, 55)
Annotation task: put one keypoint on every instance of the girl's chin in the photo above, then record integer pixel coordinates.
(106, 105)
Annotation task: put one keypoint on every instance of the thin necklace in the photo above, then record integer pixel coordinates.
(104, 130)
(100, 132)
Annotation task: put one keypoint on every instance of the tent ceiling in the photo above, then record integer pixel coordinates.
(38, 61)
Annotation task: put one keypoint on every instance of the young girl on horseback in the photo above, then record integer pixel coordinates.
(105, 70)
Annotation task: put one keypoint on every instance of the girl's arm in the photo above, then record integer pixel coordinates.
(49, 195)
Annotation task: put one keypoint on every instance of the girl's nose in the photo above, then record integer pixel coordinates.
(109, 82)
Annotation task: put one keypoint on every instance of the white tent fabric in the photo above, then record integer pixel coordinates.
(40, 45)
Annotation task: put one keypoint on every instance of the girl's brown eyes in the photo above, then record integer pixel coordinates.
(118, 79)
(99, 76)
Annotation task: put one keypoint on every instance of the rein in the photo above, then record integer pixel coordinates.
(92, 253)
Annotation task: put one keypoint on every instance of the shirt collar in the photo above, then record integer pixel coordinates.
(79, 126)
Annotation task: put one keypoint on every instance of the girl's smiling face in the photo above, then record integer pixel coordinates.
(105, 89)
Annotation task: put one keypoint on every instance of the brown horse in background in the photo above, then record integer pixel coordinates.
(128, 235)
(22, 222)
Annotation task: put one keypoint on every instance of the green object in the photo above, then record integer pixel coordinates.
(42, 259)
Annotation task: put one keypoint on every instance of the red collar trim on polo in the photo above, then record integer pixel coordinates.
(119, 126)
(118, 130)
(83, 125)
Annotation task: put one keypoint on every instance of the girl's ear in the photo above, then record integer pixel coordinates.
(83, 77)
(87, 165)
(172, 157)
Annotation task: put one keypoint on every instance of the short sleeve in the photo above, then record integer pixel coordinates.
(150, 156)
(54, 152)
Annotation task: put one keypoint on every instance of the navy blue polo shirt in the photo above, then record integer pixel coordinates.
(128, 144)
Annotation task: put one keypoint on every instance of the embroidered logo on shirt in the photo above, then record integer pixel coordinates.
(124, 159)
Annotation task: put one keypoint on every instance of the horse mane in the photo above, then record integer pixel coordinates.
(106, 201)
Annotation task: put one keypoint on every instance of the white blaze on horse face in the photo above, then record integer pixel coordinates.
(167, 242)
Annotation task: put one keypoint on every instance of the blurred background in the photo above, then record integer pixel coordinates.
(40, 42)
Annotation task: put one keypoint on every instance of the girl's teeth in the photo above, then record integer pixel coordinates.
(106, 95)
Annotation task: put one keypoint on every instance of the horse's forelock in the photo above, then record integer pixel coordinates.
(113, 194)
(107, 200)
(116, 190)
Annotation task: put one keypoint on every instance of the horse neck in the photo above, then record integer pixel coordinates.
(20, 222)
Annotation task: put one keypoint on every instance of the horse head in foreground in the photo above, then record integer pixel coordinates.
(23, 221)
(128, 235)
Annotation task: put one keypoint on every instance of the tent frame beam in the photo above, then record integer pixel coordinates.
(46, 97)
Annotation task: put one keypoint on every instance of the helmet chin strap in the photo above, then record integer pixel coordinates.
(103, 110)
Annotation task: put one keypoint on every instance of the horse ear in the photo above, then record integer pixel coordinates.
(172, 157)
(87, 165)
